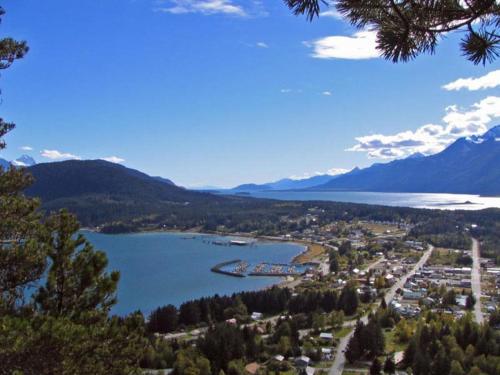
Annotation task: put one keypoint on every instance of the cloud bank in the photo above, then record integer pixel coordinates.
(331, 172)
(432, 138)
(331, 13)
(211, 7)
(361, 45)
(488, 81)
(114, 159)
(58, 155)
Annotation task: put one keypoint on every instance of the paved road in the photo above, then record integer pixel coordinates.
(399, 284)
(339, 361)
(476, 281)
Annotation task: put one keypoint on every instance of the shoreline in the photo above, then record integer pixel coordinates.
(306, 254)
(306, 246)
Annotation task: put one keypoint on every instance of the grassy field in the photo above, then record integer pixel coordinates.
(382, 229)
(351, 372)
(313, 251)
(342, 332)
(444, 257)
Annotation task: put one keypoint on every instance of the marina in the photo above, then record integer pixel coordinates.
(239, 268)
(160, 268)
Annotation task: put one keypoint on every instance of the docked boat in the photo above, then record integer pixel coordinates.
(238, 243)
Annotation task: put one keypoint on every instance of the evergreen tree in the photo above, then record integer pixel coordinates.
(66, 328)
(383, 304)
(345, 248)
(375, 367)
(406, 29)
(421, 363)
(456, 368)
(354, 349)
(22, 249)
(22, 254)
(348, 300)
(163, 319)
(389, 366)
(355, 346)
(442, 363)
(450, 298)
(334, 261)
(470, 301)
(77, 281)
(189, 313)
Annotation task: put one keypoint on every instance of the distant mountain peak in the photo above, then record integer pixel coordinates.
(24, 161)
(416, 155)
(493, 133)
(467, 166)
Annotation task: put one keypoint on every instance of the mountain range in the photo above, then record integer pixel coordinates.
(470, 165)
(287, 184)
(22, 161)
(103, 192)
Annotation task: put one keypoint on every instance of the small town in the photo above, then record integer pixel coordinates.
(250, 187)
(394, 279)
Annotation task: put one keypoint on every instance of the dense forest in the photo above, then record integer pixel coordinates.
(272, 301)
(442, 345)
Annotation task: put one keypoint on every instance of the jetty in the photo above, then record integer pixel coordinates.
(238, 270)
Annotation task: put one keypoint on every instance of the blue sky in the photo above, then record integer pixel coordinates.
(220, 92)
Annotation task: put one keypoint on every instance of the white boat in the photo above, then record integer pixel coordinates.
(239, 243)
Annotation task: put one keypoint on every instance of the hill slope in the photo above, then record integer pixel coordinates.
(469, 166)
(99, 191)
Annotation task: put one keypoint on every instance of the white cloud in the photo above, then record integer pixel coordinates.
(27, 148)
(431, 138)
(488, 81)
(361, 45)
(114, 159)
(262, 45)
(336, 171)
(332, 13)
(327, 93)
(205, 7)
(290, 91)
(467, 122)
(58, 155)
(331, 172)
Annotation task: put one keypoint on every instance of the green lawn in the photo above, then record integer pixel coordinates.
(342, 332)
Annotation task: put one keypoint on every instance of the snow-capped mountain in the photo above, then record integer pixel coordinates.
(22, 161)
(469, 165)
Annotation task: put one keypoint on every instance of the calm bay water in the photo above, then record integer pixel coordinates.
(416, 200)
(171, 268)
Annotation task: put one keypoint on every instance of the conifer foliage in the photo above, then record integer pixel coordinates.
(406, 29)
(55, 295)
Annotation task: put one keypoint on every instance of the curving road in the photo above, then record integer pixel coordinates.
(339, 361)
(476, 281)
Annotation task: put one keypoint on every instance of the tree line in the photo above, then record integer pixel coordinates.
(272, 301)
(443, 345)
